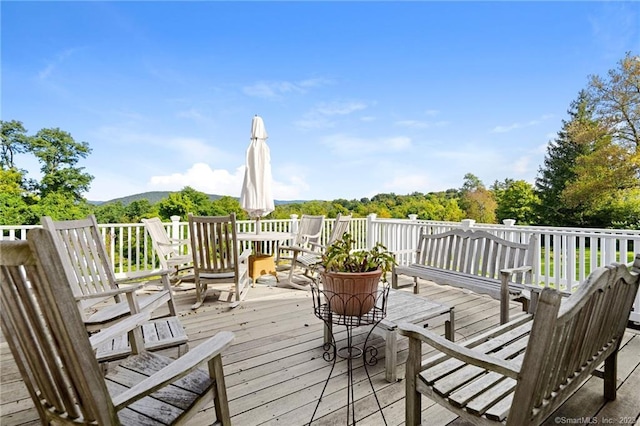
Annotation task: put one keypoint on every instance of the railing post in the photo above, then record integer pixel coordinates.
(294, 224)
(371, 232)
(175, 227)
(467, 223)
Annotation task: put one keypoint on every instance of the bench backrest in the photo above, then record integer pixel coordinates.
(476, 252)
(570, 338)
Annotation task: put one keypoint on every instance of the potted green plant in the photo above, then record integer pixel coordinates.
(350, 277)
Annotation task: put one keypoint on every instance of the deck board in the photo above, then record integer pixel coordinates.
(275, 371)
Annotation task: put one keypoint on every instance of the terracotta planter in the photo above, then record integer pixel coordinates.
(350, 293)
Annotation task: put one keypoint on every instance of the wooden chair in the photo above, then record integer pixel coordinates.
(216, 258)
(55, 357)
(92, 278)
(168, 250)
(307, 258)
(306, 239)
(520, 372)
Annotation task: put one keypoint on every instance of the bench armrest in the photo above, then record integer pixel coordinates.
(501, 366)
(204, 352)
(510, 271)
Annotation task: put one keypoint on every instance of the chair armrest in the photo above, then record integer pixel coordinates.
(174, 242)
(131, 277)
(501, 366)
(244, 256)
(176, 370)
(119, 328)
(317, 246)
(108, 293)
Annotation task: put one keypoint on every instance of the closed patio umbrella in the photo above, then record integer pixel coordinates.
(256, 198)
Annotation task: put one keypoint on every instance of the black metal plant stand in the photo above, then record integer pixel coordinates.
(325, 305)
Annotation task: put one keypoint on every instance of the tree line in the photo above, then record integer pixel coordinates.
(590, 176)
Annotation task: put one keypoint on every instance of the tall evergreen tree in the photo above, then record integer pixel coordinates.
(559, 168)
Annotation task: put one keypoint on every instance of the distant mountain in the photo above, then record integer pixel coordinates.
(152, 196)
(155, 196)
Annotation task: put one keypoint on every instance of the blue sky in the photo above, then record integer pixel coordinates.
(358, 98)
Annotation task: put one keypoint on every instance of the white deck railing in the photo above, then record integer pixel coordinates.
(566, 255)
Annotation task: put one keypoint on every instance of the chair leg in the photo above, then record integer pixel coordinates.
(201, 293)
(610, 376)
(413, 399)
(221, 401)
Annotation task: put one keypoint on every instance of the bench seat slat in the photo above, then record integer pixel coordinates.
(451, 382)
(445, 367)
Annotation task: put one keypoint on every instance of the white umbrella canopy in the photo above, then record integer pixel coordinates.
(256, 198)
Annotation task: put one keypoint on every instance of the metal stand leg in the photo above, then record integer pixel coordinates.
(368, 353)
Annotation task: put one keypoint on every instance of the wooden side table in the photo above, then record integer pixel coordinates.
(259, 265)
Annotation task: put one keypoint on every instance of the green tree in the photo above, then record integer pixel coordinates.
(14, 209)
(516, 200)
(616, 101)
(559, 167)
(60, 206)
(59, 154)
(188, 200)
(14, 141)
(140, 209)
(111, 213)
(476, 201)
(225, 205)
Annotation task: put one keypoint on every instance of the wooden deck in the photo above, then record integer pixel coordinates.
(275, 371)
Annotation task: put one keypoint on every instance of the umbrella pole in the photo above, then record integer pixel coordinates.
(258, 225)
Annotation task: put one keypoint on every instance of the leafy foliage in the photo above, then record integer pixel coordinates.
(341, 257)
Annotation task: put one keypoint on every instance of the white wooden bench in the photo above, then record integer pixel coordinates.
(519, 373)
(475, 260)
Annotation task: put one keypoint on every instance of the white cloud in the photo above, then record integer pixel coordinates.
(192, 114)
(514, 126)
(296, 188)
(61, 57)
(318, 117)
(418, 124)
(407, 183)
(276, 89)
(521, 165)
(185, 148)
(349, 146)
(202, 178)
(339, 108)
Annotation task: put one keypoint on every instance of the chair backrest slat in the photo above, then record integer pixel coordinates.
(309, 230)
(214, 244)
(86, 257)
(340, 227)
